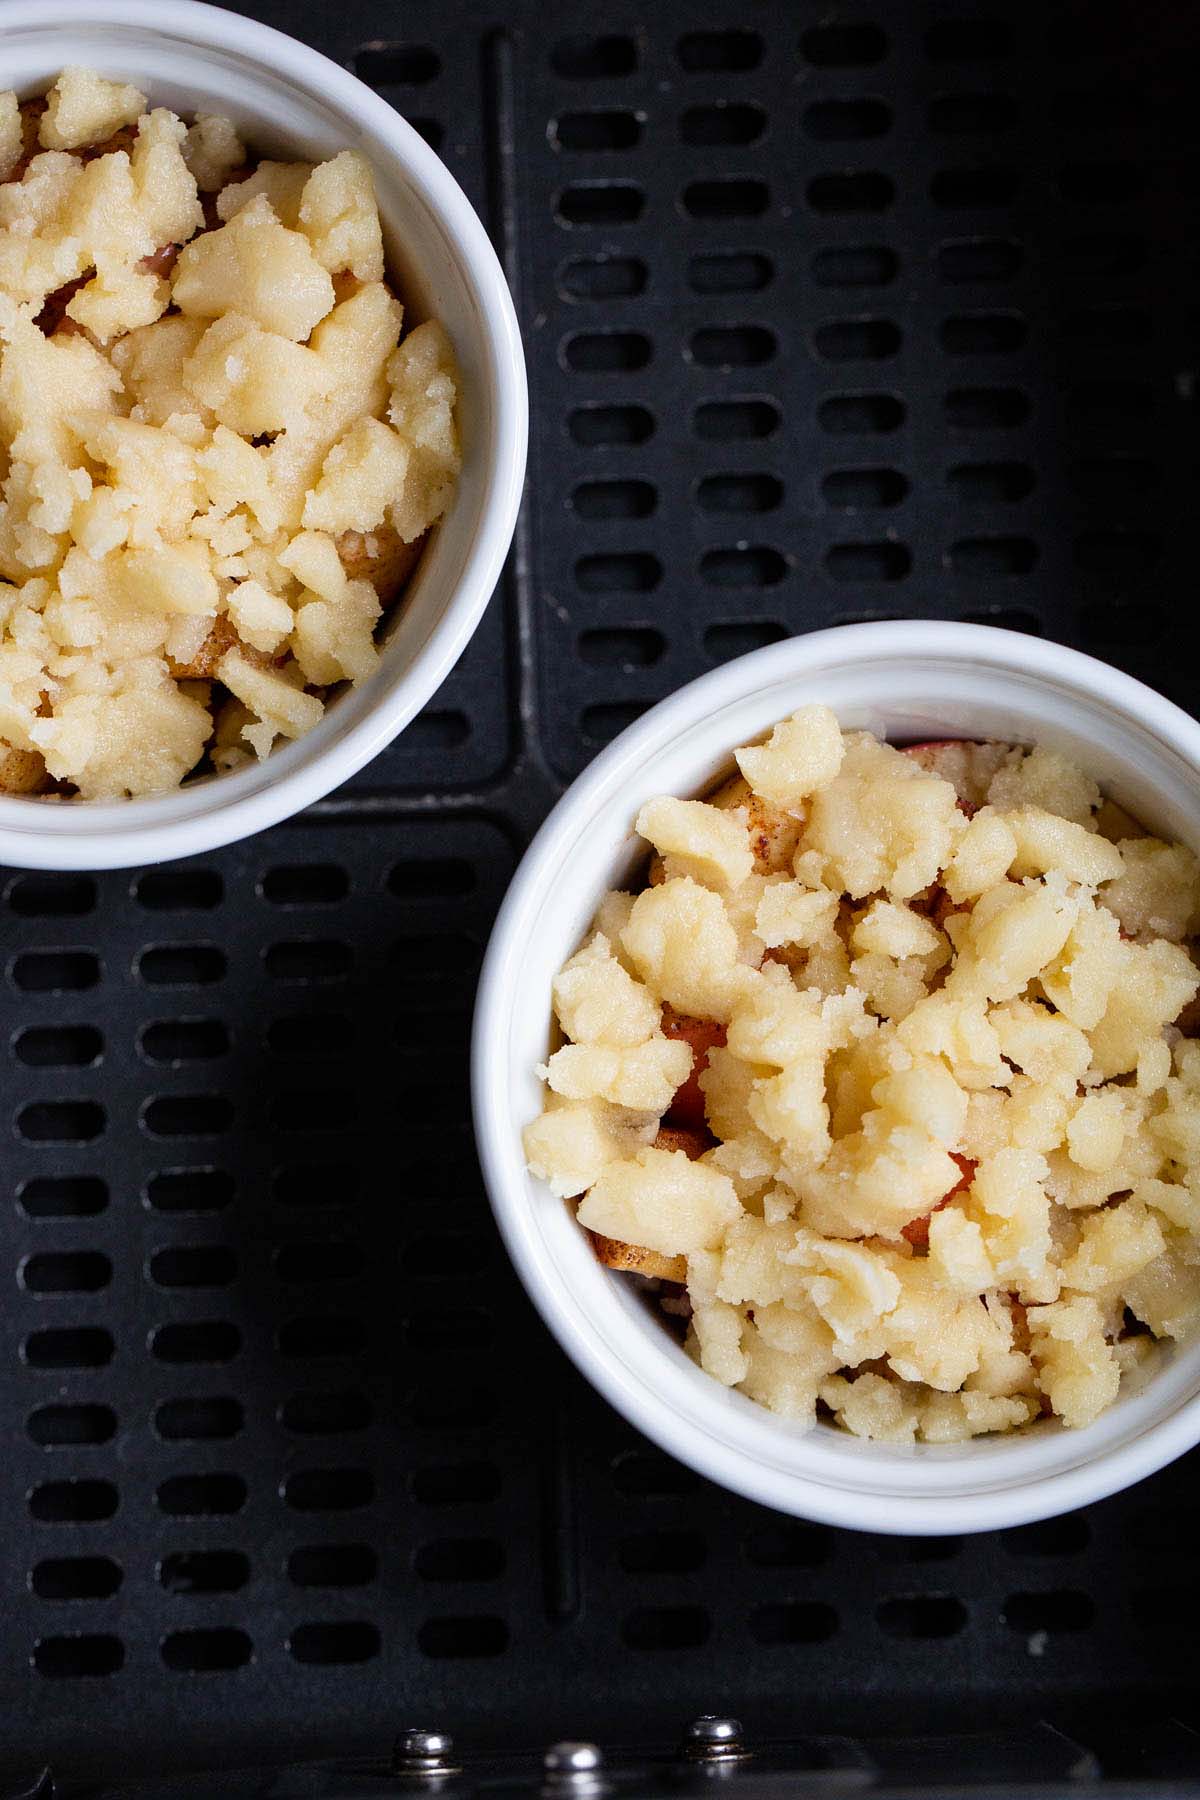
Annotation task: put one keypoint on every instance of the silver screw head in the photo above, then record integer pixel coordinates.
(572, 1759)
(712, 1737)
(418, 1752)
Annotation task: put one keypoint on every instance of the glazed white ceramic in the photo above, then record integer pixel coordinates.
(905, 681)
(292, 102)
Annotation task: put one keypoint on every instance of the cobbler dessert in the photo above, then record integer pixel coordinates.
(222, 449)
(882, 1081)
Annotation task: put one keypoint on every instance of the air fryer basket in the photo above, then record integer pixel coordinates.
(833, 311)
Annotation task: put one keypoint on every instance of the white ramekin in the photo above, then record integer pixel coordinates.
(290, 101)
(904, 681)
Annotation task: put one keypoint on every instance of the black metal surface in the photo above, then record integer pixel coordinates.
(1027, 1764)
(832, 311)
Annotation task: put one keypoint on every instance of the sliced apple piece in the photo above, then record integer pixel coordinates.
(967, 765)
(381, 557)
(24, 772)
(917, 1230)
(774, 833)
(632, 1259)
(686, 1110)
(935, 904)
(223, 636)
(162, 260)
(692, 1143)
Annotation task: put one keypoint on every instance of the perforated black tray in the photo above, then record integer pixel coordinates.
(833, 311)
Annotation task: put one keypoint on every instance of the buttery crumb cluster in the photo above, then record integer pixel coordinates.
(220, 452)
(883, 1069)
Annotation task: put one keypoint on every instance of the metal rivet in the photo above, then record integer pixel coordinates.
(417, 1752)
(570, 1758)
(573, 1769)
(712, 1738)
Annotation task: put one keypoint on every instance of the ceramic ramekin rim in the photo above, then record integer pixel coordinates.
(634, 1391)
(119, 834)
